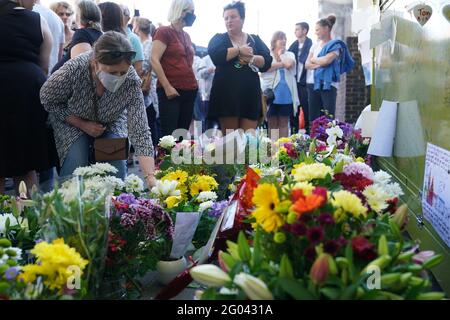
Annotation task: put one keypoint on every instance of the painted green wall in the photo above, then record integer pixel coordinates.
(417, 75)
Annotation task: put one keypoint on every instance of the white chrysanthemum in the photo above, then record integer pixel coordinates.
(393, 190)
(104, 168)
(376, 198)
(366, 141)
(83, 172)
(12, 222)
(381, 177)
(206, 196)
(205, 206)
(166, 188)
(133, 183)
(167, 142)
(114, 182)
(97, 169)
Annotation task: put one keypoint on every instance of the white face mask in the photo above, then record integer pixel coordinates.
(111, 82)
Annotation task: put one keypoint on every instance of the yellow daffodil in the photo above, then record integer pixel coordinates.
(266, 200)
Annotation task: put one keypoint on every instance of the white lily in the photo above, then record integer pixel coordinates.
(253, 287)
(210, 275)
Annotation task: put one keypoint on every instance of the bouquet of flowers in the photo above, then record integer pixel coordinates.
(188, 199)
(339, 134)
(83, 223)
(140, 235)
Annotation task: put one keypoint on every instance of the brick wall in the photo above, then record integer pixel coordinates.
(357, 94)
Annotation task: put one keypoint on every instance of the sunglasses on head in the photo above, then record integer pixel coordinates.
(120, 54)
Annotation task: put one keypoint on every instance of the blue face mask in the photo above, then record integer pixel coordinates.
(111, 82)
(189, 19)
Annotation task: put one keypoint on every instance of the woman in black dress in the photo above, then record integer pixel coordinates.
(236, 92)
(25, 44)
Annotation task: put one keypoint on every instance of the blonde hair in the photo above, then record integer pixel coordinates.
(176, 9)
(56, 5)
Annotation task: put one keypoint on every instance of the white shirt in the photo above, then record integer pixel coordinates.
(56, 27)
(315, 49)
(299, 65)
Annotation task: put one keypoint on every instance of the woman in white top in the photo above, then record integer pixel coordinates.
(281, 79)
(321, 99)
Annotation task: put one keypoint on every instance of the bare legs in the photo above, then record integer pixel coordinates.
(234, 123)
(279, 123)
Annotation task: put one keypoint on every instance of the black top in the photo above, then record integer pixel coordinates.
(26, 143)
(236, 90)
(87, 35)
(303, 57)
(19, 41)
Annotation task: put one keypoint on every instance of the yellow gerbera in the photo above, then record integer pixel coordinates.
(202, 183)
(180, 176)
(266, 200)
(308, 172)
(347, 202)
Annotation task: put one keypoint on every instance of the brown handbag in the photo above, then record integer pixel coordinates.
(108, 149)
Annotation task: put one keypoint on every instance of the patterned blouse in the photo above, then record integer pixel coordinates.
(70, 91)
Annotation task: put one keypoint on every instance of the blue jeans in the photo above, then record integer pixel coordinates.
(78, 156)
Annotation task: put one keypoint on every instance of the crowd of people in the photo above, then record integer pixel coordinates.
(71, 76)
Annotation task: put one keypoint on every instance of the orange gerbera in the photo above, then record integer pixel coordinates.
(307, 204)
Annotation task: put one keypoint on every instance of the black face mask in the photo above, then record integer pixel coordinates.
(189, 19)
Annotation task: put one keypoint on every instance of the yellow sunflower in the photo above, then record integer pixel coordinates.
(266, 200)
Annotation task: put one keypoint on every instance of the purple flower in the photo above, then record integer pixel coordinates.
(332, 247)
(127, 198)
(315, 234)
(306, 217)
(310, 253)
(217, 209)
(422, 256)
(298, 229)
(11, 273)
(325, 218)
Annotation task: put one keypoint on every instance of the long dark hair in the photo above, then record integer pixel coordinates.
(112, 17)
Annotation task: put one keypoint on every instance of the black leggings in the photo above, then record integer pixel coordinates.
(176, 113)
(321, 100)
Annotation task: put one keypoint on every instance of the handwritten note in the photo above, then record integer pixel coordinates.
(436, 190)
